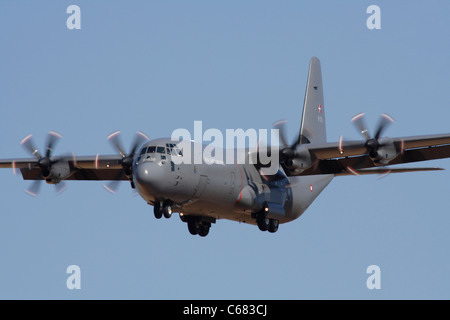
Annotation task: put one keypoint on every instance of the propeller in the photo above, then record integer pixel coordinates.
(127, 158)
(294, 157)
(372, 144)
(288, 151)
(44, 163)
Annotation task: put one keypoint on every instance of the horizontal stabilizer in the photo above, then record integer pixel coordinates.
(384, 171)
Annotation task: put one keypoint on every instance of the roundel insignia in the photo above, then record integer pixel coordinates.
(320, 108)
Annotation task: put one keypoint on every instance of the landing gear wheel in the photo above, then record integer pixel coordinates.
(263, 222)
(204, 229)
(198, 225)
(193, 226)
(157, 210)
(273, 225)
(167, 210)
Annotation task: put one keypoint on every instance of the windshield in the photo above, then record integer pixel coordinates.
(161, 150)
(170, 149)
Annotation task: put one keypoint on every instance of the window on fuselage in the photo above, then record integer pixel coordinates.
(151, 150)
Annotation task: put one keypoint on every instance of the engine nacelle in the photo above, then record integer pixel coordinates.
(385, 153)
(301, 161)
(59, 171)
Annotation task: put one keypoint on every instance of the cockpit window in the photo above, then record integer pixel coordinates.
(176, 152)
(170, 149)
(161, 150)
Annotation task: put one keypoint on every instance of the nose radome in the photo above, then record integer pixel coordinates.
(150, 176)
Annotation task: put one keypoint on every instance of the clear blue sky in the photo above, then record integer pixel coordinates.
(159, 65)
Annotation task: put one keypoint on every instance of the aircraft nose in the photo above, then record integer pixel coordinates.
(150, 178)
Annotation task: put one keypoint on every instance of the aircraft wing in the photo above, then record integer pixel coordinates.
(356, 148)
(352, 157)
(99, 167)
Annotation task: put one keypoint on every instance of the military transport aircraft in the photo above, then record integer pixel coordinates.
(204, 193)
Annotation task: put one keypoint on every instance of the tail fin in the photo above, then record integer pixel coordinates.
(313, 129)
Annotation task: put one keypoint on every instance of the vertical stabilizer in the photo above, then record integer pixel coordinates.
(313, 128)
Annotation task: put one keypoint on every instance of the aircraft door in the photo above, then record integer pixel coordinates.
(175, 173)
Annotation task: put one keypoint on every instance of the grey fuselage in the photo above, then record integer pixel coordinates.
(220, 191)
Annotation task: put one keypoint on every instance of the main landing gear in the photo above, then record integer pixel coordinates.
(266, 224)
(198, 225)
(164, 208)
